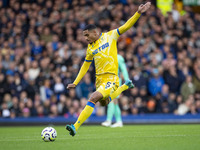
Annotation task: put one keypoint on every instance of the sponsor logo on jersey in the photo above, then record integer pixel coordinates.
(102, 47)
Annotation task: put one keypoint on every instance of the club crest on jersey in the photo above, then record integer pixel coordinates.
(102, 47)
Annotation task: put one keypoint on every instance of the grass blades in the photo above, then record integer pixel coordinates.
(136, 137)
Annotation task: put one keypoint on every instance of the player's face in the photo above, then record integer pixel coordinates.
(90, 35)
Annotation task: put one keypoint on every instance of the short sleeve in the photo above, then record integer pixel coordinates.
(89, 56)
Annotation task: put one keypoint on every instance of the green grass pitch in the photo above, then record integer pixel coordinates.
(130, 137)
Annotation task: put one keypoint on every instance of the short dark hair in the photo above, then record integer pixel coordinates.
(90, 27)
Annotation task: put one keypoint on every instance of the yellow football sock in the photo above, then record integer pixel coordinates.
(87, 111)
(118, 91)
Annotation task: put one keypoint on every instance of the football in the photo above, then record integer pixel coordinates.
(49, 134)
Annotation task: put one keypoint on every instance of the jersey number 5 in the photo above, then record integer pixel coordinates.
(107, 85)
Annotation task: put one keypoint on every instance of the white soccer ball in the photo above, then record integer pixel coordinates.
(49, 134)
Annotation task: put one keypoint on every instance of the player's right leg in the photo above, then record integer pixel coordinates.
(115, 108)
(85, 114)
(128, 84)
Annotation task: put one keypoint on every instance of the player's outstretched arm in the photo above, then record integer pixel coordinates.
(81, 73)
(141, 9)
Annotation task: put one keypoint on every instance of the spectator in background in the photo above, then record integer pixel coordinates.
(151, 105)
(53, 111)
(31, 89)
(155, 83)
(187, 88)
(18, 85)
(2, 86)
(55, 41)
(4, 110)
(173, 79)
(34, 71)
(169, 61)
(138, 78)
(138, 107)
(196, 76)
(58, 87)
(198, 106)
(9, 87)
(37, 48)
(133, 93)
(124, 105)
(172, 105)
(40, 111)
(175, 13)
(86, 87)
(29, 105)
(72, 94)
(45, 90)
(46, 36)
(165, 92)
(184, 108)
(61, 104)
(26, 112)
(143, 94)
(14, 109)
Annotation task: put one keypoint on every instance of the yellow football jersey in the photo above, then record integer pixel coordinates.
(104, 53)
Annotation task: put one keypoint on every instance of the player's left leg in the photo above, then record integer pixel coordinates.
(85, 114)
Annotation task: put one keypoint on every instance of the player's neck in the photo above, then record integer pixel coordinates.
(98, 37)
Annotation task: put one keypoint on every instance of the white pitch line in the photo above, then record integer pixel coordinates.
(159, 136)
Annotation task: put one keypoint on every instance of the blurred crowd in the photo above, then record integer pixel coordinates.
(42, 49)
